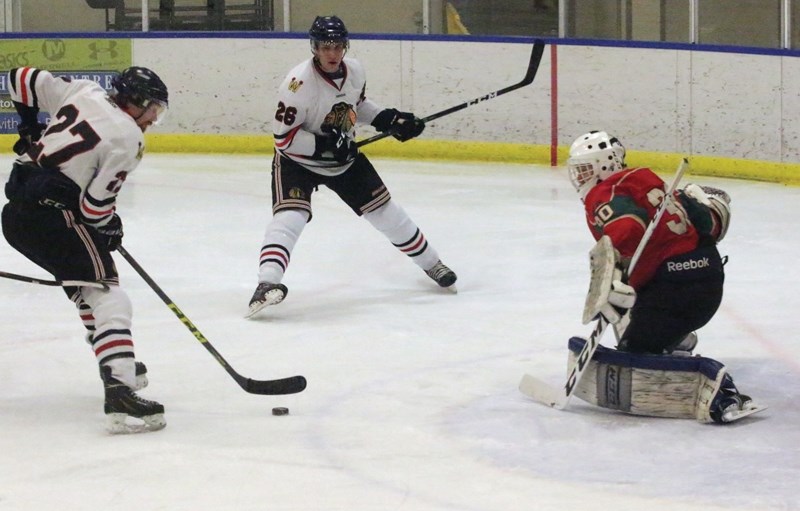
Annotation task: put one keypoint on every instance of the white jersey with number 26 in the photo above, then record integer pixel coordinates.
(305, 97)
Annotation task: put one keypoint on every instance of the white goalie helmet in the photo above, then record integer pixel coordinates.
(593, 157)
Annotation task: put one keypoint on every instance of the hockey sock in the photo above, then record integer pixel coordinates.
(279, 240)
(87, 318)
(112, 338)
(395, 224)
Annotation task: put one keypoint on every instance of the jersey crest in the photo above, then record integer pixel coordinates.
(341, 116)
(295, 84)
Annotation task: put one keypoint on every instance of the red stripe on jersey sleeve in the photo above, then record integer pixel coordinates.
(23, 89)
(89, 212)
(285, 140)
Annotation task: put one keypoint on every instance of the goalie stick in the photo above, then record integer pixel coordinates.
(542, 392)
(533, 67)
(56, 283)
(290, 385)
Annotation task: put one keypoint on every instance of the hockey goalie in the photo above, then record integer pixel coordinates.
(674, 289)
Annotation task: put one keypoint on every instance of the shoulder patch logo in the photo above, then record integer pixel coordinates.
(295, 84)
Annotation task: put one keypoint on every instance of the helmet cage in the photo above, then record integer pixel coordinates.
(593, 158)
(580, 172)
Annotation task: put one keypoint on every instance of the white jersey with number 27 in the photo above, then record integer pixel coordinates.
(89, 138)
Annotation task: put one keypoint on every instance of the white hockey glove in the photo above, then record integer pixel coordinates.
(620, 298)
(697, 193)
(621, 295)
(608, 295)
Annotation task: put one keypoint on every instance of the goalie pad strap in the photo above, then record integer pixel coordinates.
(651, 385)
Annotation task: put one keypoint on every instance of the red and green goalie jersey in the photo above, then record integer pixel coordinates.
(622, 206)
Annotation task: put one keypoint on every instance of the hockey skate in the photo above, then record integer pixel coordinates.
(141, 369)
(685, 348)
(729, 405)
(122, 402)
(266, 294)
(141, 376)
(442, 275)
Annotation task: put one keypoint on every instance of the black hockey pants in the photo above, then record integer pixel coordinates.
(682, 297)
(41, 222)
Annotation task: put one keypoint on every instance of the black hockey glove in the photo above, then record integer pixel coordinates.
(112, 232)
(339, 143)
(402, 125)
(28, 134)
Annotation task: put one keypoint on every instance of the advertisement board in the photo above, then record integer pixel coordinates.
(93, 59)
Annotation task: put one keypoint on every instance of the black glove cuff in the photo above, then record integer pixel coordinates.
(408, 129)
(27, 114)
(383, 121)
(322, 143)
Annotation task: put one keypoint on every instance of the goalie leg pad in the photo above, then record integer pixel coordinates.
(652, 385)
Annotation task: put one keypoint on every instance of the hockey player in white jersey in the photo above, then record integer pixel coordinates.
(62, 214)
(319, 104)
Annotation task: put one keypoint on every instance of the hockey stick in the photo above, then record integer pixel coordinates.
(546, 394)
(56, 283)
(290, 385)
(533, 67)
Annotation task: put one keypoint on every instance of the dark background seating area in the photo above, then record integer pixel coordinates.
(206, 15)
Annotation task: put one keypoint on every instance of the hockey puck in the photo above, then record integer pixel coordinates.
(280, 410)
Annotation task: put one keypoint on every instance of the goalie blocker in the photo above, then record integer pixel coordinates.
(668, 386)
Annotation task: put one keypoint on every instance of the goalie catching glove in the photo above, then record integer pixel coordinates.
(402, 125)
(718, 203)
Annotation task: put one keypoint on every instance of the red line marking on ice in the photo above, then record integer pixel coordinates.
(776, 350)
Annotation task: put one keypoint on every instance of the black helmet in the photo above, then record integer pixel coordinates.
(139, 86)
(328, 29)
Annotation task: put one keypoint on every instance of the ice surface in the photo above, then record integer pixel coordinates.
(412, 400)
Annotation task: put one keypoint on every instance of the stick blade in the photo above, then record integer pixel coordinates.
(282, 386)
(533, 64)
(542, 392)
